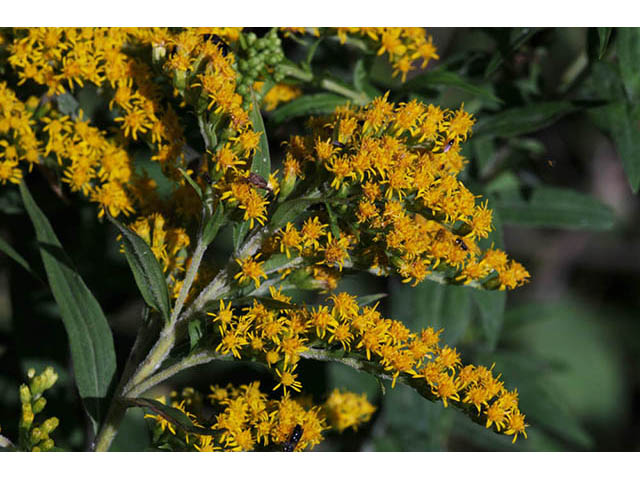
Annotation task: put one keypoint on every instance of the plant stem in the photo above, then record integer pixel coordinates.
(187, 362)
(325, 83)
(196, 259)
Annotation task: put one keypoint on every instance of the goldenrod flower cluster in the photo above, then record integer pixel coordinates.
(404, 46)
(34, 437)
(244, 418)
(280, 337)
(390, 174)
(380, 183)
(18, 142)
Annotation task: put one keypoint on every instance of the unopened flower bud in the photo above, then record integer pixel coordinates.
(36, 435)
(49, 425)
(50, 378)
(27, 416)
(47, 445)
(39, 405)
(25, 394)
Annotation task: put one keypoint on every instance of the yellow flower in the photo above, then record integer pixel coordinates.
(288, 379)
(250, 269)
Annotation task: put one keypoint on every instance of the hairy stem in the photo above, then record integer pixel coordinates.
(187, 362)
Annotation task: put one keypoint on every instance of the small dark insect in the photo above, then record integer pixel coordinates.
(258, 181)
(336, 143)
(295, 437)
(224, 48)
(461, 244)
(448, 146)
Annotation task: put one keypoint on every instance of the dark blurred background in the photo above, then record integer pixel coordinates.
(548, 152)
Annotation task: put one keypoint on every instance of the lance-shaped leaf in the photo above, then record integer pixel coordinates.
(261, 164)
(10, 252)
(555, 207)
(308, 105)
(172, 415)
(522, 120)
(146, 270)
(443, 78)
(90, 338)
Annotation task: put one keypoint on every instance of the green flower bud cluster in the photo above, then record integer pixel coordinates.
(258, 59)
(35, 437)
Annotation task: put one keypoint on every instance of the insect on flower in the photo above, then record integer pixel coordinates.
(448, 145)
(461, 244)
(258, 181)
(296, 435)
(224, 48)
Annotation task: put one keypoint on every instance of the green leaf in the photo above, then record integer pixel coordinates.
(361, 80)
(555, 207)
(10, 252)
(308, 105)
(170, 414)
(213, 225)
(240, 230)
(443, 78)
(412, 424)
(90, 338)
(522, 120)
(195, 332)
(365, 300)
(432, 304)
(604, 34)
(628, 50)
(491, 305)
(188, 178)
(623, 123)
(268, 302)
(519, 38)
(67, 104)
(290, 210)
(261, 163)
(146, 270)
(275, 262)
(333, 220)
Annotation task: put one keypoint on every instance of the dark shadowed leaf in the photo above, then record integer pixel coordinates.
(11, 253)
(604, 34)
(555, 207)
(170, 414)
(444, 78)
(622, 121)
(628, 50)
(146, 270)
(491, 305)
(522, 120)
(90, 338)
(308, 105)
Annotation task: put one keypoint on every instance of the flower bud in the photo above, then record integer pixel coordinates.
(27, 416)
(36, 435)
(288, 184)
(49, 425)
(47, 445)
(158, 53)
(39, 405)
(50, 378)
(25, 394)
